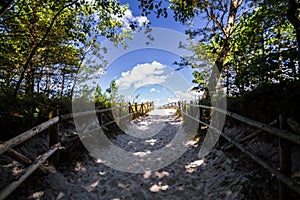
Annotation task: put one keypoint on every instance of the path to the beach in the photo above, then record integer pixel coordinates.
(218, 176)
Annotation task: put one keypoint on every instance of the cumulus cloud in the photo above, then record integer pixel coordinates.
(152, 90)
(188, 95)
(183, 95)
(145, 100)
(128, 17)
(142, 74)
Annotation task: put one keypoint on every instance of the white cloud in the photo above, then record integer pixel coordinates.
(102, 71)
(142, 74)
(128, 17)
(145, 100)
(172, 99)
(183, 95)
(188, 95)
(152, 90)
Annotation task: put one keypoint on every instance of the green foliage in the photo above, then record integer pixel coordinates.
(101, 100)
(263, 49)
(251, 43)
(21, 114)
(43, 44)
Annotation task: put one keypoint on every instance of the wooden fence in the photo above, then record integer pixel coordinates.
(137, 110)
(52, 124)
(286, 138)
(172, 105)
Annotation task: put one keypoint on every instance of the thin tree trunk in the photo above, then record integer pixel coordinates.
(279, 50)
(225, 48)
(30, 70)
(5, 6)
(34, 49)
(62, 85)
(47, 82)
(264, 74)
(292, 15)
(78, 70)
(38, 85)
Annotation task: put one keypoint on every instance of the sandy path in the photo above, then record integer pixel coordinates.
(215, 177)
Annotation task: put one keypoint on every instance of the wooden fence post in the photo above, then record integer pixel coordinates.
(120, 114)
(285, 160)
(54, 138)
(100, 119)
(194, 109)
(185, 108)
(136, 109)
(200, 110)
(142, 108)
(129, 110)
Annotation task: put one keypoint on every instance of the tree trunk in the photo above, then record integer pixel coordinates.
(62, 85)
(47, 82)
(29, 80)
(280, 70)
(292, 16)
(33, 39)
(5, 6)
(225, 48)
(34, 50)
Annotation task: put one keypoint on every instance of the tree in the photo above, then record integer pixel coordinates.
(263, 50)
(294, 17)
(43, 42)
(251, 42)
(221, 17)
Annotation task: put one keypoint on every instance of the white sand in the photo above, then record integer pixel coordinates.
(215, 177)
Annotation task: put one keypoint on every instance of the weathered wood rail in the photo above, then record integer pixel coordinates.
(136, 110)
(172, 105)
(286, 138)
(52, 124)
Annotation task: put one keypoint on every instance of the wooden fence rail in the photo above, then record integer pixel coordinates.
(284, 172)
(136, 110)
(172, 105)
(6, 147)
(28, 171)
(294, 138)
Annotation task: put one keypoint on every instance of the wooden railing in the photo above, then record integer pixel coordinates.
(171, 105)
(134, 111)
(285, 139)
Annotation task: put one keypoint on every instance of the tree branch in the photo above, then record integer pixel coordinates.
(34, 49)
(5, 6)
(214, 18)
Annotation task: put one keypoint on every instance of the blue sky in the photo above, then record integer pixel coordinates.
(148, 71)
(156, 22)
